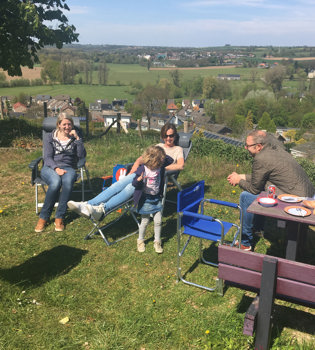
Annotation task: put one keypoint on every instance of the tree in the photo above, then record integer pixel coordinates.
(209, 86)
(151, 100)
(274, 77)
(176, 76)
(249, 124)
(24, 30)
(266, 123)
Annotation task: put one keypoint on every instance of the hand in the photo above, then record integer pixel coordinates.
(122, 173)
(74, 134)
(59, 171)
(234, 179)
(140, 178)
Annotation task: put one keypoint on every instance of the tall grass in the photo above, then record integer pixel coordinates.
(113, 297)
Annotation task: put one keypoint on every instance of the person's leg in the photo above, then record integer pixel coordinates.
(53, 181)
(145, 219)
(67, 181)
(157, 218)
(246, 199)
(120, 197)
(111, 191)
(157, 232)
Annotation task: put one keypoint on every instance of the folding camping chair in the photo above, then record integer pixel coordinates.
(123, 209)
(193, 223)
(49, 124)
(184, 140)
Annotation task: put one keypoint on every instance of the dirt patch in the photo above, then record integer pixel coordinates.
(287, 58)
(27, 73)
(193, 68)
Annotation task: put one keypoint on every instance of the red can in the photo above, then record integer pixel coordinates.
(271, 191)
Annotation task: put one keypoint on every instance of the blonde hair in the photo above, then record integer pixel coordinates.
(63, 116)
(153, 157)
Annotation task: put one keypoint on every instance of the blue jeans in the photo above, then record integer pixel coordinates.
(116, 194)
(246, 199)
(55, 183)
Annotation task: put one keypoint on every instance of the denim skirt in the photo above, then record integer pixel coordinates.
(149, 204)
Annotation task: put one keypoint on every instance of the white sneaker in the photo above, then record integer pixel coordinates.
(158, 247)
(97, 212)
(79, 208)
(140, 245)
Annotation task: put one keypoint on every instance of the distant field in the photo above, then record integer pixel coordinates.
(122, 75)
(85, 92)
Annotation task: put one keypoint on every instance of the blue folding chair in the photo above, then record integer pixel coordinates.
(192, 222)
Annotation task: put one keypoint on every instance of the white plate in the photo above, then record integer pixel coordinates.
(267, 202)
(289, 198)
(297, 211)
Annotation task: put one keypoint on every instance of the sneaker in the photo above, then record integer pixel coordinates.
(243, 247)
(140, 245)
(158, 247)
(59, 225)
(97, 212)
(40, 227)
(80, 208)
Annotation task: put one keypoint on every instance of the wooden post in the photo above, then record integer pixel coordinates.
(186, 126)
(266, 299)
(118, 122)
(1, 108)
(86, 122)
(45, 109)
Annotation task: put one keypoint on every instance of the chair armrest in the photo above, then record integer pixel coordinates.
(198, 216)
(227, 204)
(34, 166)
(34, 163)
(171, 172)
(81, 162)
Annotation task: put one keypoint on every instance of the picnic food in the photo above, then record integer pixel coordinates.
(309, 204)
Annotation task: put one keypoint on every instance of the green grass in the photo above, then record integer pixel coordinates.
(114, 297)
(88, 93)
(122, 75)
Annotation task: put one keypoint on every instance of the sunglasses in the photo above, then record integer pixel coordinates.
(254, 144)
(170, 135)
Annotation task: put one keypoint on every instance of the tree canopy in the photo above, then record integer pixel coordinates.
(25, 29)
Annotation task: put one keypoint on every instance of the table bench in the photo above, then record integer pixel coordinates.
(271, 278)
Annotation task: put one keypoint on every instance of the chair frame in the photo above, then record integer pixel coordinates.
(180, 231)
(38, 182)
(125, 208)
(171, 175)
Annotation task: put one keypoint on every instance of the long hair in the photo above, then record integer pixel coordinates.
(63, 116)
(153, 157)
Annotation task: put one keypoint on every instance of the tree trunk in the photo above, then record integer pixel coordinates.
(139, 128)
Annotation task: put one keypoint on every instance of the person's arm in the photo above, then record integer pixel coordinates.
(136, 165)
(235, 178)
(260, 175)
(179, 165)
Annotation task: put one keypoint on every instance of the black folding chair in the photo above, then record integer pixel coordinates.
(49, 124)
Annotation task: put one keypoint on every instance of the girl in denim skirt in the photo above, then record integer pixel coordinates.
(149, 184)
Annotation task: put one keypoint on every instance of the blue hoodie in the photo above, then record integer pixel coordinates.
(57, 156)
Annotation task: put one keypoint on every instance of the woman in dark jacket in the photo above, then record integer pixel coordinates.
(62, 149)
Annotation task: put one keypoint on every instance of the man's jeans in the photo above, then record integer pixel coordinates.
(55, 184)
(249, 219)
(116, 194)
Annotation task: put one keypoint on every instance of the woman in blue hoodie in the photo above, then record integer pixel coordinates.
(62, 149)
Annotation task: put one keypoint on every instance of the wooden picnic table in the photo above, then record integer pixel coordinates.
(296, 226)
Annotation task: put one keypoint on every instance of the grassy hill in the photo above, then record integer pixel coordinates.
(114, 297)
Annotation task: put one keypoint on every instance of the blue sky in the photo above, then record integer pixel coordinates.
(197, 23)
